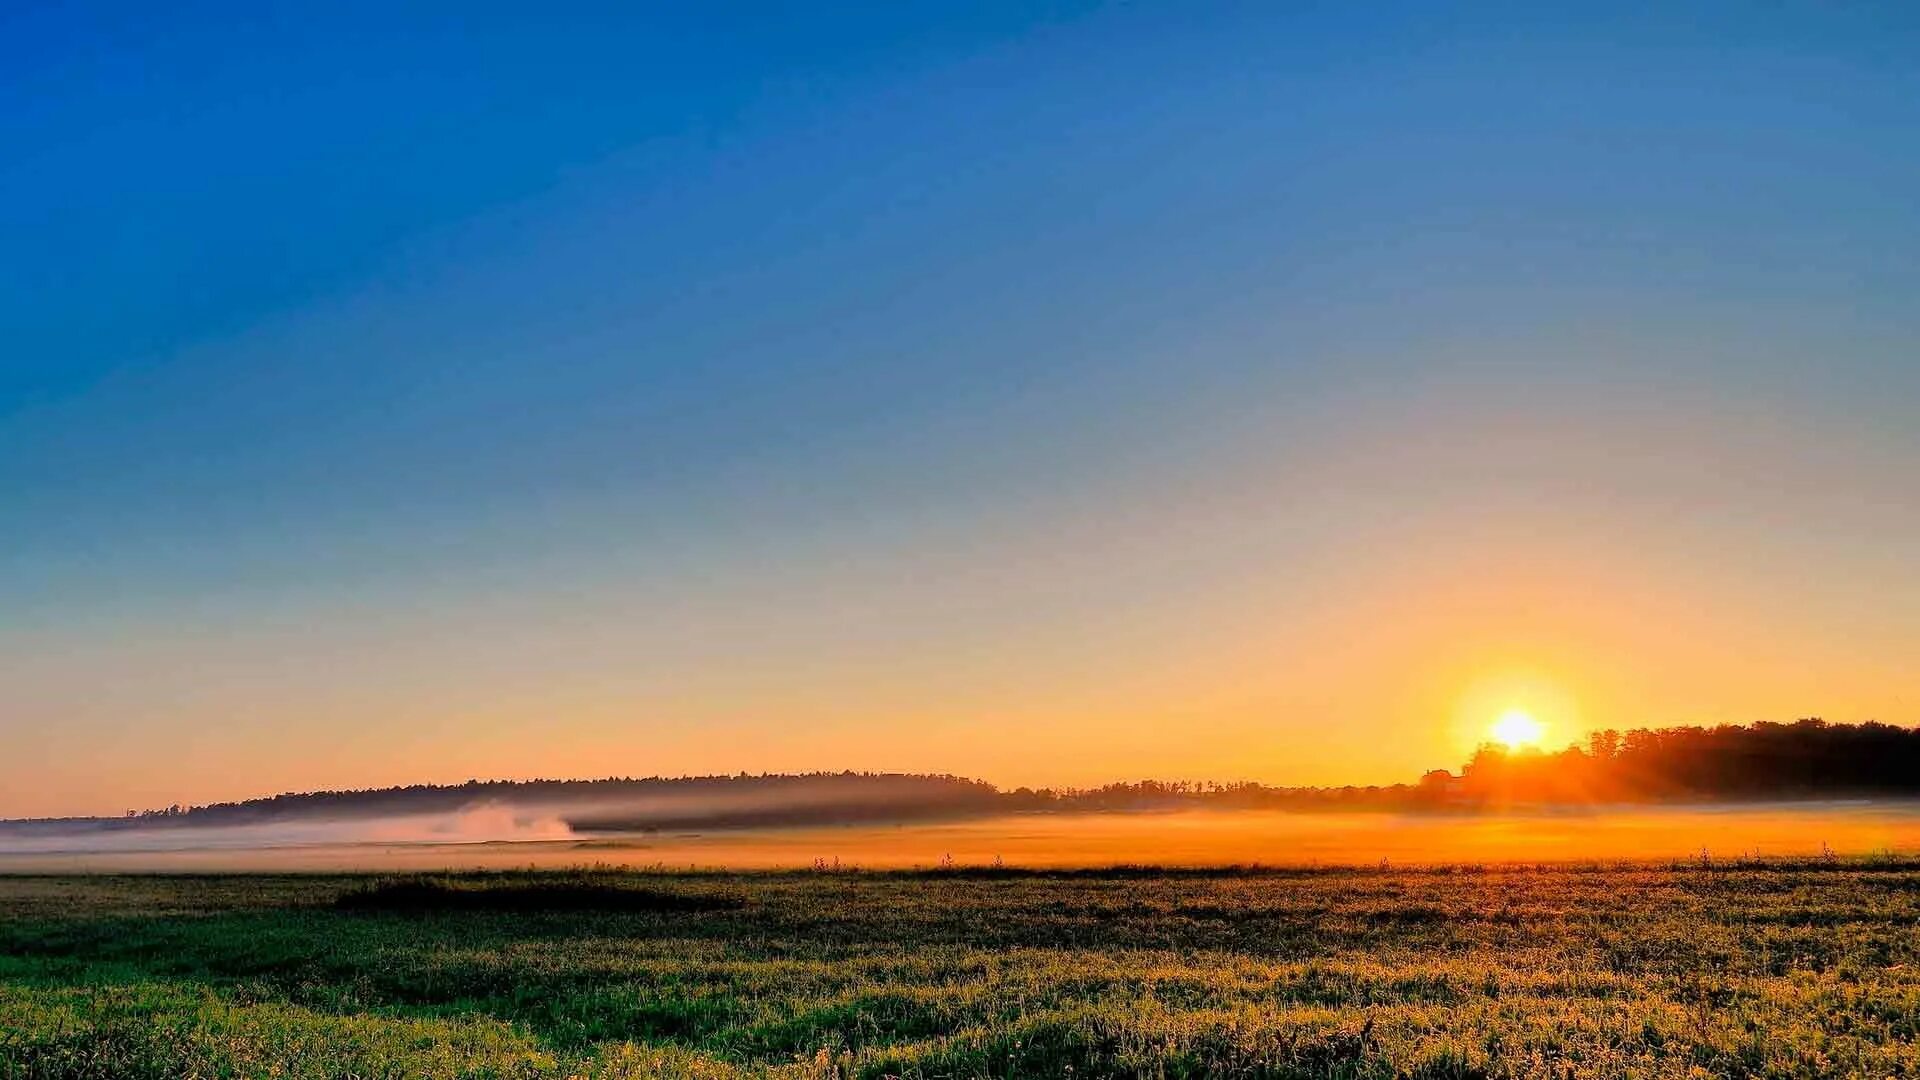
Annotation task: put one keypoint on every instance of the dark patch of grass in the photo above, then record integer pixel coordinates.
(431, 896)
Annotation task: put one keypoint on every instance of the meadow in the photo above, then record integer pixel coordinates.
(1786, 968)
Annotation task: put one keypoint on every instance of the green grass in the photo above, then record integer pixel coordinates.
(1786, 969)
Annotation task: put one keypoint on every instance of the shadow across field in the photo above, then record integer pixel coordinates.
(428, 896)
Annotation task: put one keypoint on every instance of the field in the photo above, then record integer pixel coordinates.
(1803, 968)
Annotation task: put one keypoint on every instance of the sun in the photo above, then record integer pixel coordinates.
(1517, 728)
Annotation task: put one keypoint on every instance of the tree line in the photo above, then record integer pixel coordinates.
(1807, 759)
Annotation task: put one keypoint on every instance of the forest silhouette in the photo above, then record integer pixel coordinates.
(1805, 760)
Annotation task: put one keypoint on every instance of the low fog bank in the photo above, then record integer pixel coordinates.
(506, 811)
(478, 824)
(1176, 838)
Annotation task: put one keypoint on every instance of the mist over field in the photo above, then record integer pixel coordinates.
(495, 837)
(478, 824)
(1808, 788)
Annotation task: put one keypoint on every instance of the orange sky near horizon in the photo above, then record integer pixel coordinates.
(1195, 634)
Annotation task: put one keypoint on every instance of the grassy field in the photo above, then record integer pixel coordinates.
(1803, 969)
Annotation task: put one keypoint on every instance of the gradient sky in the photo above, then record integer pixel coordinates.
(1048, 393)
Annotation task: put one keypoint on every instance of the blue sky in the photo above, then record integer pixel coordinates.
(650, 380)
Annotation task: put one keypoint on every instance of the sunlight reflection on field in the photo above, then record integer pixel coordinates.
(1190, 838)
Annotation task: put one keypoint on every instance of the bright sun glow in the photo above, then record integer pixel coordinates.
(1516, 728)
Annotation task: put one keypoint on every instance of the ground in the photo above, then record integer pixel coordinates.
(1781, 969)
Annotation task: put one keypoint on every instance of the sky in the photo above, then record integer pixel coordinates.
(1049, 393)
